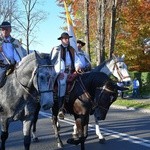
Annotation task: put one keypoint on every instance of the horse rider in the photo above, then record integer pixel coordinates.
(11, 51)
(84, 57)
(66, 61)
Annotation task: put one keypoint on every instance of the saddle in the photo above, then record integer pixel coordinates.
(5, 70)
(70, 81)
(70, 84)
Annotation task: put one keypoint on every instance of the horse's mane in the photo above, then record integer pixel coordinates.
(28, 58)
(34, 56)
(99, 67)
(95, 78)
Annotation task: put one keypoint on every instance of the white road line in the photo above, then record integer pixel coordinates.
(123, 136)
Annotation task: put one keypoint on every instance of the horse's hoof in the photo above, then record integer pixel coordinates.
(102, 141)
(35, 139)
(74, 136)
(61, 115)
(73, 141)
(60, 145)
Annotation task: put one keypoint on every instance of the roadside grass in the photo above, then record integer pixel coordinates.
(139, 104)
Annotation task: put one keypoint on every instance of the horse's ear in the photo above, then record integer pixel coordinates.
(114, 56)
(123, 56)
(37, 55)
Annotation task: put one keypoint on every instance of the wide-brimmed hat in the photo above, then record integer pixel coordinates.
(64, 35)
(81, 42)
(5, 24)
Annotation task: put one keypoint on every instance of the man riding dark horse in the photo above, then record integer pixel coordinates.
(11, 51)
(66, 61)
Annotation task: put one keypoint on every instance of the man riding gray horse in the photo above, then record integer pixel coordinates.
(31, 82)
(11, 51)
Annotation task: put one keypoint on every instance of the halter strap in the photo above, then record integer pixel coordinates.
(119, 72)
(25, 87)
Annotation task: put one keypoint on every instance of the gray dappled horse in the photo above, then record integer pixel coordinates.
(18, 97)
(116, 67)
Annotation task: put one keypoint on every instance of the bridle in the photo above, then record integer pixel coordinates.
(104, 88)
(94, 104)
(119, 72)
(27, 88)
(46, 91)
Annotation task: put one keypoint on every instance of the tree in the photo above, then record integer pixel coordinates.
(29, 19)
(7, 10)
(133, 27)
(101, 31)
(86, 26)
(129, 26)
(112, 28)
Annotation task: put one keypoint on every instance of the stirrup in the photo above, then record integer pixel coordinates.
(61, 115)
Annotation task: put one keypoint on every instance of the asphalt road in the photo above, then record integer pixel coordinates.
(123, 130)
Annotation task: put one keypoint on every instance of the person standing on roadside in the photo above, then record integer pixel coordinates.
(136, 86)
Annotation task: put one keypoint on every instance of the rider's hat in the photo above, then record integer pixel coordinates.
(64, 35)
(5, 24)
(81, 42)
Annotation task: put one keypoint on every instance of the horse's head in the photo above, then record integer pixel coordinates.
(43, 81)
(104, 97)
(36, 75)
(119, 70)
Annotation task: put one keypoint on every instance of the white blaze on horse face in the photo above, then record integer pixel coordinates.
(119, 70)
(122, 72)
(46, 79)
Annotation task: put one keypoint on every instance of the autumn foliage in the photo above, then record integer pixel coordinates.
(132, 26)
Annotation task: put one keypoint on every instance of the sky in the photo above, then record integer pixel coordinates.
(49, 29)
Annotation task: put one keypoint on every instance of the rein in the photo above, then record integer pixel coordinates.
(84, 88)
(25, 87)
(104, 88)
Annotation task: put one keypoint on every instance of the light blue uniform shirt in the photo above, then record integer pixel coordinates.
(10, 52)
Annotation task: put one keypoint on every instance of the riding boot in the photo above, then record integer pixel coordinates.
(62, 111)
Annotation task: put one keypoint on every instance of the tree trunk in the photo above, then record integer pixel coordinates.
(112, 28)
(101, 31)
(86, 27)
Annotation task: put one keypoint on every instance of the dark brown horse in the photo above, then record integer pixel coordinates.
(91, 90)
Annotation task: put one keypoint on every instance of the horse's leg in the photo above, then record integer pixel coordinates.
(27, 133)
(75, 131)
(98, 132)
(80, 137)
(85, 122)
(34, 136)
(4, 132)
(55, 110)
